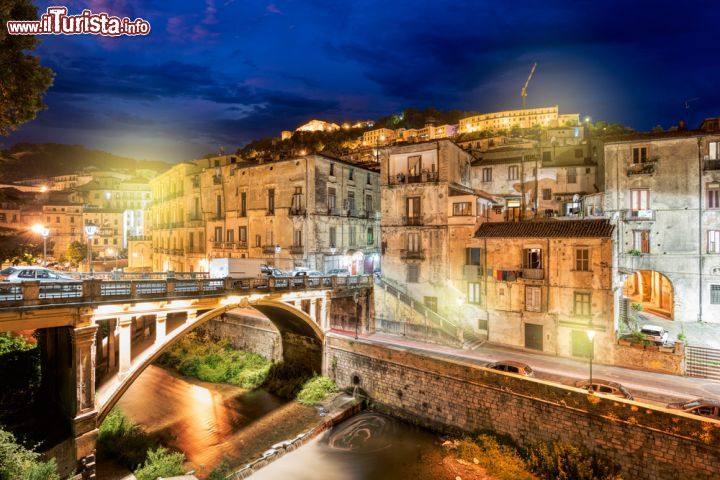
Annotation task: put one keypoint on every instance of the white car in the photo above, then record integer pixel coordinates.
(655, 334)
(32, 274)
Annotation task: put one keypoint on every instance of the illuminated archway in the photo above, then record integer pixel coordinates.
(653, 290)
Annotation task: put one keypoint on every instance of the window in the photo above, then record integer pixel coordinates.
(413, 273)
(218, 206)
(258, 240)
(242, 235)
(715, 294)
(332, 237)
(230, 235)
(332, 169)
(368, 203)
(472, 256)
(714, 151)
(641, 240)
(412, 207)
(532, 258)
(640, 154)
(218, 234)
(352, 235)
(269, 237)
(713, 245)
(332, 199)
(431, 303)
(582, 259)
(243, 204)
(370, 236)
(547, 194)
(572, 175)
(297, 237)
(487, 174)
(547, 157)
(271, 201)
(351, 201)
(713, 195)
(581, 304)
(414, 165)
(639, 201)
(462, 209)
(513, 172)
(533, 301)
(474, 293)
(297, 200)
(368, 179)
(413, 242)
(351, 174)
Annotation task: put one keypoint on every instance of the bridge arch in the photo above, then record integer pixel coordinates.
(302, 342)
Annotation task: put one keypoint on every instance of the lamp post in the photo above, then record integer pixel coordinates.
(44, 232)
(90, 230)
(591, 337)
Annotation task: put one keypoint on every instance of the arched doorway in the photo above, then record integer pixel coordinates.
(652, 290)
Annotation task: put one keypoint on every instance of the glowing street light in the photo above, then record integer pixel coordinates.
(591, 337)
(90, 230)
(44, 232)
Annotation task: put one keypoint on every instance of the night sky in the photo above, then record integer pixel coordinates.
(222, 72)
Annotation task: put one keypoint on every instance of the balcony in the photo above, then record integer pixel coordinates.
(709, 165)
(403, 179)
(268, 249)
(472, 272)
(533, 273)
(217, 180)
(297, 250)
(177, 251)
(412, 255)
(297, 211)
(640, 215)
(645, 168)
(412, 221)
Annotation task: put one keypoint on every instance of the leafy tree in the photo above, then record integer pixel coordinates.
(23, 81)
(76, 252)
(15, 248)
(17, 461)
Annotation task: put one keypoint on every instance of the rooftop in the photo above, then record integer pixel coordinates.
(595, 228)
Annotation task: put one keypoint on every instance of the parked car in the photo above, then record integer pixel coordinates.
(655, 334)
(307, 273)
(605, 386)
(339, 272)
(512, 366)
(32, 274)
(703, 407)
(276, 272)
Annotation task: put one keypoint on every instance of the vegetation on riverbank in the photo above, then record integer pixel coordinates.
(20, 364)
(16, 461)
(315, 390)
(198, 357)
(505, 460)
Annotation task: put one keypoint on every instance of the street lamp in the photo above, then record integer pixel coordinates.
(90, 230)
(591, 337)
(44, 231)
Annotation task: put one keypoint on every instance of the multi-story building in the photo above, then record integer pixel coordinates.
(663, 192)
(379, 136)
(318, 126)
(176, 219)
(116, 192)
(542, 285)
(526, 118)
(429, 213)
(314, 212)
(64, 220)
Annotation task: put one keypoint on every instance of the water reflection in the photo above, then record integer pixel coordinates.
(367, 446)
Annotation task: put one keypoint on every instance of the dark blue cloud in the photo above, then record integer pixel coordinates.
(226, 71)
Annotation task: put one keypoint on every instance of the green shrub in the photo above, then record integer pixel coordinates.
(220, 472)
(121, 439)
(562, 461)
(18, 462)
(315, 390)
(161, 463)
(639, 337)
(285, 379)
(501, 461)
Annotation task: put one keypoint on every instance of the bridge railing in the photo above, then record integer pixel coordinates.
(97, 290)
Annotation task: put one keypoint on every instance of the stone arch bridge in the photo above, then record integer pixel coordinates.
(96, 337)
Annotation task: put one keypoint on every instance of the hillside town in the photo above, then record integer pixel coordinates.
(523, 228)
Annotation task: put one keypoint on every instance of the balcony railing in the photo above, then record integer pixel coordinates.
(412, 221)
(297, 250)
(645, 168)
(412, 254)
(217, 180)
(403, 179)
(472, 272)
(296, 211)
(711, 165)
(640, 215)
(268, 249)
(533, 273)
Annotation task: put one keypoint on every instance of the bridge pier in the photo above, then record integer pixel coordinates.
(125, 325)
(84, 420)
(160, 327)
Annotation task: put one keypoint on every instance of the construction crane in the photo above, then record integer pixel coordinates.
(523, 92)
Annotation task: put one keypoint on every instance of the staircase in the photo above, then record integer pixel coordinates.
(702, 362)
(472, 341)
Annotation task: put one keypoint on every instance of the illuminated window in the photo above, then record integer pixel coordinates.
(641, 240)
(513, 172)
(714, 151)
(462, 209)
(487, 174)
(581, 304)
(547, 194)
(571, 175)
(472, 256)
(713, 245)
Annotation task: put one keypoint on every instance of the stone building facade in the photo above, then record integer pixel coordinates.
(526, 118)
(662, 190)
(544, 284)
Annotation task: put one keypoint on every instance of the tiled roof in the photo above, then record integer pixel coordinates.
(595, 228)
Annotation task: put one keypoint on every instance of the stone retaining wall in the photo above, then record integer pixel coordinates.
(248, 333)
(650, 357)
(647, 442)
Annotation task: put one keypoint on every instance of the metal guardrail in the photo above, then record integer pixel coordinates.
(96, 290)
